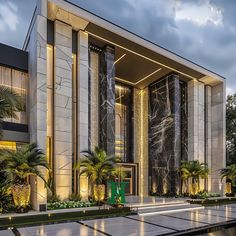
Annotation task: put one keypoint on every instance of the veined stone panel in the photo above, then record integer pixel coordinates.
(63, 109)
(165, 135)
(141, 137)
(94, 98)
(107, 100)
(208, 134)
(196, 120)
(38, 95)
(83, 91)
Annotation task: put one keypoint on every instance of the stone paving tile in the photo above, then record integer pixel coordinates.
(6, 233)
(173, 223)
(121, 226)
(201, 216)
(64, 229)
(230, 207)
(225, 215)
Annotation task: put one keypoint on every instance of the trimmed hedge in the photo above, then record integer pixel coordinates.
(48, 218)
(212, 201)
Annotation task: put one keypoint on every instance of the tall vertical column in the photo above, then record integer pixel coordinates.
(208, 133)
(165, 135)
(196, 120)
(196, 123)
(218, 138)
(94, 99)
(141, 137)
(37, 47)
(63, 109)
(107, 100)
(83, 91)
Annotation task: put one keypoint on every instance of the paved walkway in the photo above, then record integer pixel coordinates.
(164, 224)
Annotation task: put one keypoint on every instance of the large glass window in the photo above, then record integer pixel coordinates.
(18, 81)
(123, 123)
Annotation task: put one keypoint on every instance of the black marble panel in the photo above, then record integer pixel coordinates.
(107, 100)
(165, 134)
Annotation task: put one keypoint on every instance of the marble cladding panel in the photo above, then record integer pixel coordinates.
(83, 88)
(218, 139)
(140, 102)
(196, 121)
(94, 98)
(63, 109)
(107, 100)
(208, 133)
(38, 98)
(165, 135)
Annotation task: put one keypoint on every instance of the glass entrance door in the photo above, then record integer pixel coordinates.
(129, 175)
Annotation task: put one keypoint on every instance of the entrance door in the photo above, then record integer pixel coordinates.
(130, 176)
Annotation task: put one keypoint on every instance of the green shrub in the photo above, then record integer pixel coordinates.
(68, 204)
(204, 195)
(53, 198)
(75, 197)
(6, 201)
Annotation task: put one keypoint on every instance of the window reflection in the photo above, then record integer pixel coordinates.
(123, 123)
(18, 81)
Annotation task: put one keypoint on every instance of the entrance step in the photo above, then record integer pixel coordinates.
(157, 203)
(167, 208)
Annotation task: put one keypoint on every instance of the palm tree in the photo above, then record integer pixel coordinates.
(19, 165)
(10, 103)
(99, 168)
(194, 171)
(229, 172)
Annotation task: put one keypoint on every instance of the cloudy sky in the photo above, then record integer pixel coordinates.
(203, 31)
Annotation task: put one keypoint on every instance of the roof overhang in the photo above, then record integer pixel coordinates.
(139, 61)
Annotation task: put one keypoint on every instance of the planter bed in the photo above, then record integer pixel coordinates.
(213, 201)
(48, 217)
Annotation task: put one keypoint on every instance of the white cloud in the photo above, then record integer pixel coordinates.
(201, 12)
(229, 91)
(8, 16)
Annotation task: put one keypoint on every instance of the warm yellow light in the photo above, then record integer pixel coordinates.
(84, 187)
(139, 81)
(8, 145)
(142, 92)
(119, 58)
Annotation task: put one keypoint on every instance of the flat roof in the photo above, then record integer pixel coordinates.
(125, 41)
(117, 29)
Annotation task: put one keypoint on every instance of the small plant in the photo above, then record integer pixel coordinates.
(75, 197)
(19, 166)
(6, 200)
(53, 198)
(68, 204)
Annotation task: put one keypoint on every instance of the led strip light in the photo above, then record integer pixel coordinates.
(140, 55)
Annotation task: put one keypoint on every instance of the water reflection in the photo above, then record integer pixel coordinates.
(224, 232)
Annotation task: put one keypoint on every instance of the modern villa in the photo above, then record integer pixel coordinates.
(88, 82)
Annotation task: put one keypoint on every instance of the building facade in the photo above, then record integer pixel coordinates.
(91, 83)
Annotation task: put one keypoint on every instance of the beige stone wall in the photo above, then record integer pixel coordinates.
(196, 138)
(208, 133)
(214, 134)
(94, 98)
(218, 136)
(63, 109)
(36, 47)
(141, 137)
(83, 91)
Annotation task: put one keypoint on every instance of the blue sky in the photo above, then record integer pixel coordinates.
(203, 31)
